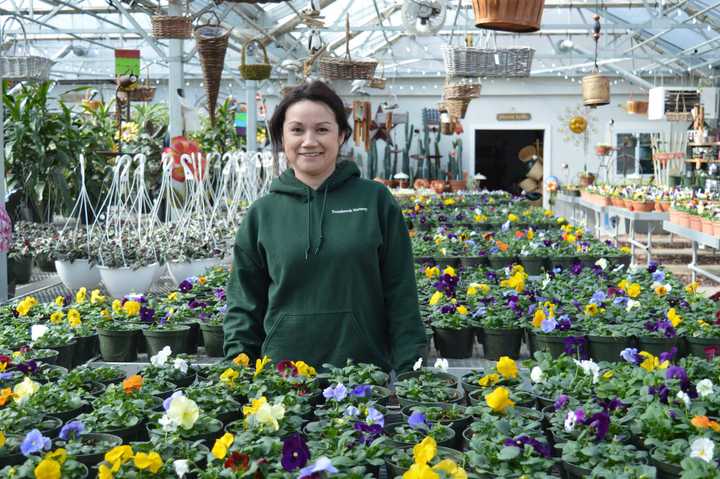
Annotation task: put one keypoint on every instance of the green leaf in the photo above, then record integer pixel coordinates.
(508, 453)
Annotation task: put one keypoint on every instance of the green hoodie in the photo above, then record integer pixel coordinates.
(325, 275)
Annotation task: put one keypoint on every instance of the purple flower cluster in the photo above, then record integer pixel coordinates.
(368, 432)
(663, 326)
(295, 453)
(447, 284)
(521, 441)
(576, 345)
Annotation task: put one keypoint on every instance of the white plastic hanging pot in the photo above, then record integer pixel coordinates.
(182, 270)
(78, 274)
(160, 271)
(122, 281)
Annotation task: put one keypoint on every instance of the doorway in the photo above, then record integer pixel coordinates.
(496, 156)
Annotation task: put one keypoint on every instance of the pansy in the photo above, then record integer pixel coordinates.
(34, 442)
(507, 367)
(417, 420)
(295, 452)
(337, 393)
(537, 375)
(322, 464)
(373, 416)
(441, 364)
(499, 400)
(704, 388)
(703, 448)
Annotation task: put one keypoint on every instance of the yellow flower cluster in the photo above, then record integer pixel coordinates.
(432, 272)
(423, 453)
(499, 400)
(220, 449)
(262, 414)
(51, 465)
(24, 306)
(516, 281)
(674, 318)
(651, 363)
(131, 308)
(692, 287)
(116, 457)
(474, 288)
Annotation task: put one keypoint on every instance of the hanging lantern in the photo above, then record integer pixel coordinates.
(596, 87)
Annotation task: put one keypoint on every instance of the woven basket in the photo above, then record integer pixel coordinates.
(482, 62)
(459, 91)
(23, 67)
(430, 116)
(142, 93)
(212, 42)
(377, 82)
(347, 68)
(255, 71)
(595, 90)
(168, 26)
(455, 108)
(636, 107)
(509, 15)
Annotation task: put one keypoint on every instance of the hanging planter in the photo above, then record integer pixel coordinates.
(636, 107)
(212, 42)
(255, 71)
(78, 274)
(182, 270)
(596, 87)
(23, 67)
(347, 68)
(122, 281)
(520, 16)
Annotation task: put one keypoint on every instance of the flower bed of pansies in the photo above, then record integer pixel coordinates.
(600, 309)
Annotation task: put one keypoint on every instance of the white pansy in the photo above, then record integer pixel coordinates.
(181, 364)
(704, 388)
(537, 375)
(184, 412)
(570, 421)
(632, 304)
(37, 331)
(681, 395)
(161, 357)
(702, 448)
(442, 364)
(181, 467)
(602, 262)
(418, 364)
(167, 424)
(590, 368)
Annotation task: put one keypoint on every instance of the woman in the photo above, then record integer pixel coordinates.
(323, 269)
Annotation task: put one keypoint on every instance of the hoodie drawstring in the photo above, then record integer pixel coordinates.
(307, 250)
(322, 221)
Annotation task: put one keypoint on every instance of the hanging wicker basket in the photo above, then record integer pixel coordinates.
(23, 67)
(636, 107)
(595, 90)
(169, 26)
(212, 42)
(255, 71)
(455, 108)
(142, 93)
(488, 60)
(347, 68)
(460, 91)
(509, 15)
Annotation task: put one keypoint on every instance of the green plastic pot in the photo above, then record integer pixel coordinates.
(703, 347)
(533, 265)
(66, 354)
(608, 348)
(175, 338)
(502, 342)
(500, 262)
(658, 345)
(564, 262)
(192, 340)
(445, 261)
(455, 343)
(214, 339)
(118, 346)
(471, 262)
(544, 342)
(20, 269)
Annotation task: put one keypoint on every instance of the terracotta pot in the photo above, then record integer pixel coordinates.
(716, 228)
(658, 206)
(587, 180)
(393, 183)
(403, 183)
(665, 206)
(683, 219)
(643, 206)
(457, 185)
(630, 205)
(421, 183)
(508, 15)
(695, 222)
(707, 226)
(617, 202)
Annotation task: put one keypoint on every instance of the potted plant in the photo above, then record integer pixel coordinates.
(87, 448)
(454, 334)
(403, 459)
(74, 262)
(128, 264)
(508, 457)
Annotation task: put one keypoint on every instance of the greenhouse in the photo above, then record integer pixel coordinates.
(402, 239)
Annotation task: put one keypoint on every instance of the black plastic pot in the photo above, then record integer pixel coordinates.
(450, 379)
(502, 342)
(20, 269)
(658, 345)
(214, 338)
(66, 416)
(471, 262)
(176, 338)
(455, 343)
(457, 425)
(666, 470)
(91, 460)
(575, 472)
(208, 438)
(390, 429)
(500, 262)
(45, 263)
(703, 347)
(445, 261)
(457, 398)
(564, 262)
(118, 346)
(192, 340)
(66, 354)
(544, 342)
(534, 265)
(608, 348)
(87, 347)
(131, 433)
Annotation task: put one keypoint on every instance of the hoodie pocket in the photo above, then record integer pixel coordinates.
(319, 338)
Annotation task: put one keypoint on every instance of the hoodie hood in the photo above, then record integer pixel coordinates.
(288, 184)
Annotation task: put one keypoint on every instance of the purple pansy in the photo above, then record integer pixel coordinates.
(71, 430)
(323, 464)
(185, 286)
(417, 420)
(362, 391)
(295, 452)
(34, 442)
(337, 393)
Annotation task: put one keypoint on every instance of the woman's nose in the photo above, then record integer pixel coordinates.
(310, 138)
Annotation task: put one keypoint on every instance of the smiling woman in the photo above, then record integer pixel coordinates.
(323, 269)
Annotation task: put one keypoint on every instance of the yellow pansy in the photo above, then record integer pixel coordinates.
(608, 375)
(132, 308)
(449, 202)
(538, 317)
(81, 295)
(260, 365)
(59, 455)
(591, 309)
(229, 376)
(480, 218)
(432, 272)
(118, 455)
(150, 461)
(47, 469)
(173, 296)
(451, 469)
(623, 284)
(420, 471)
(117, 305)
(222, 445)
(507, 367)
(425, 450)
(2, 439)
(59, 301)
(105, 314)
(74, 318)
(202, 280)
(23, 307)
(651, 362)
(548, 213)
(625, 250)
(692, 287)
(530, 234)
(241, 359)
(254, 406)
(305, 369)
(96, 297)
(22, 391)
(499, 400)
(489, 380)
(570, 238)
(450, 271)
(634, 290)
(674, 318)
(462, 310)
(104, 472)
(436, 297)
(513, 217)
(661, 290)
(57, 317)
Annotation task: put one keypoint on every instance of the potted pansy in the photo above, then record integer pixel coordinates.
(498, 400)
(182, 417)
(453, 415)
(658, 423)
(428, 458)
(59, 338)
(607, 420)
(354, 373)
(122, 462)
(426, 385)
(267, 417)
(58, 401)
(564, 375)
(215, 400)
(504, 420)
(211, 326)
(87, 448)
(509, 457)
(501, 327)
(43, 462)
(506, 373)
(581, 456)
(550, 327)
(453, 329)
(701, 462)
(85, 376)
(117, 334)
(532, 251)
(285, 377)
(10, 450)
(416, 427)
(338, 398)
(166, 368)
(186, 458)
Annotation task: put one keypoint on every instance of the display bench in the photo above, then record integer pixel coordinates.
(600, 214)
(697, 238)
(654, 220)
(570, 204)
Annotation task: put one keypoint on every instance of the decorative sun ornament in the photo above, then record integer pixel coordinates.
(577, 125)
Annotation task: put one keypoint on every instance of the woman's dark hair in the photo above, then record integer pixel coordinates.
(314, 91)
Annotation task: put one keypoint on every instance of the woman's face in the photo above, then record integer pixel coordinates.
(311, 139)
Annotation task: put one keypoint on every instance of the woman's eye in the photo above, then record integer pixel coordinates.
(322, 130)
(295, 130)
